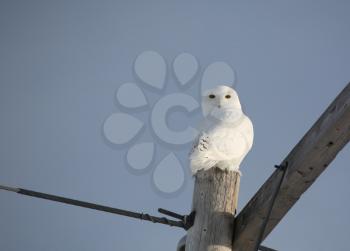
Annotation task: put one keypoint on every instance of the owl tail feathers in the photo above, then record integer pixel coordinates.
(200, 165)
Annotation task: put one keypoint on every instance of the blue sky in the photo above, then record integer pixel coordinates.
(61, 63)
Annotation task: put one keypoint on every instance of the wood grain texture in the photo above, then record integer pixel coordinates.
(214, 201)
(309, 158)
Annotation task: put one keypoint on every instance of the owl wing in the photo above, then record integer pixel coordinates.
(248, 132)
(202, 155)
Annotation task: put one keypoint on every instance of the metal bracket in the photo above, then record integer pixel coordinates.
(187, 220)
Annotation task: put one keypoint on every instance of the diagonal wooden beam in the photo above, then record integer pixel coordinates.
(309, 158)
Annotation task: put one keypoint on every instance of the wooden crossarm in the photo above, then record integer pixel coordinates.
(309, 158)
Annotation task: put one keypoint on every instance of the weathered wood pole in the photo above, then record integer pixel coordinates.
(308, 159)
(214, 201)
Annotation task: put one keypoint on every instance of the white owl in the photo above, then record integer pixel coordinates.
(225, 135)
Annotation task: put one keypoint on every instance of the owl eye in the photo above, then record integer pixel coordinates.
(211, 96)
(228, 96)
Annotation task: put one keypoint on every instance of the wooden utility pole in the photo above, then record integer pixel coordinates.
(214, 201)
(216, 192)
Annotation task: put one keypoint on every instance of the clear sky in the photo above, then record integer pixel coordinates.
(61, 63)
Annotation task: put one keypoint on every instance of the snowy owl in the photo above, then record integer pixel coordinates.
(225, 135)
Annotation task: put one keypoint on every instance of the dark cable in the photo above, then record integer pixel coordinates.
(171, 214)
(283, 168)
(141, 216)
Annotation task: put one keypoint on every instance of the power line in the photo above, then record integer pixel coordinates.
(185, 222)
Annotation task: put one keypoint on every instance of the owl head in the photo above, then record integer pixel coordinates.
(220, 99)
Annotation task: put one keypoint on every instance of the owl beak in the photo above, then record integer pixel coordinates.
(220, 103)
